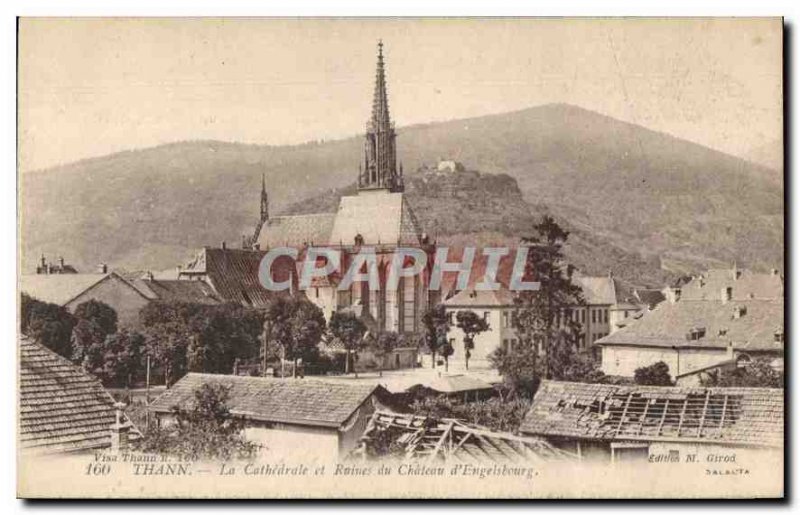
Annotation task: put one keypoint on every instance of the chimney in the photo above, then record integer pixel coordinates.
(149, 275)
(673, 295)
(61, 261)
(774, 272)
(223, 246)
(726, 294)
(739, 312)
(119, 430)
(102, 268)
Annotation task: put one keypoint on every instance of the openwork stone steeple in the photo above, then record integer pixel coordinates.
(379, 170)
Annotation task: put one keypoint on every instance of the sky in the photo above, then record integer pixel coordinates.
(89, 87)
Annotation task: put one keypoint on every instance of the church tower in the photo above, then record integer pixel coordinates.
(379, 170)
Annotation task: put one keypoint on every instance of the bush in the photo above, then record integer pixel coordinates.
(756, 374)
(656, 374)
(497, 413)
(208, 431)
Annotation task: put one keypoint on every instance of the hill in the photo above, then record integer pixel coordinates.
(473, 209)
(642, 192)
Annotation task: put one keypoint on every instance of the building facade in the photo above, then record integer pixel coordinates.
(721, 315)
(606, 302)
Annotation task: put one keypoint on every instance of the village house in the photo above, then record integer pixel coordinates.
(719, 316)
(63, 409)
(126, 297)
(620, 423)
(70, 290)
(324, 419)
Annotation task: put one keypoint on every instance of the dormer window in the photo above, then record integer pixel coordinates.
(695, 333)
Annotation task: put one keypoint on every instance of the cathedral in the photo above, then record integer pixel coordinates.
(378, 216)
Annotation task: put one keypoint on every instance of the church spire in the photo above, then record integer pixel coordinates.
(380, 101)
(380, 155)
(264, 201)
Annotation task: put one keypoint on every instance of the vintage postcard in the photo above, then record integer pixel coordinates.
(400, 258)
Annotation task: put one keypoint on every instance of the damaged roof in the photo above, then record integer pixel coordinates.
(731, 416)
(427, 438)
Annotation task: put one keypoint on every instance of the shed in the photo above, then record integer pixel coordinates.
(324, 418)
(600, 418)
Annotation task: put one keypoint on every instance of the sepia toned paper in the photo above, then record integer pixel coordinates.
(173, 171)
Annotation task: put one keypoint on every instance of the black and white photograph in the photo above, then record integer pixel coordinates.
(400, 258)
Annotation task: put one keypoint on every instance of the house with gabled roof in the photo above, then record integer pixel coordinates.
(294, 415)
(718, 316)
(62, 408)
(70, 290)
(621, 422)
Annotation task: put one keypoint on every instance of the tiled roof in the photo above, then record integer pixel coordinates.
(379, 216)
(58, 288)
(61, 407)
(649, 298)
(179, 291)
(669, 324)
(733, 416)
(597, 290)
(294, 401)
(296, 231)
(233, 273)
(744, 284)
(477, 298)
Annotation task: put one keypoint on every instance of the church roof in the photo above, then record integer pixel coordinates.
(379, 216)
(296, 230)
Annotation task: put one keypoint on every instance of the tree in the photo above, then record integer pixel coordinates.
(220, 335)
(348, 329)
(95, 322)
(122, 359)
(198, 337)
(383, 345)
(759, 373)
(206, 431)
(547, 333)
(656, 374)
(436, 324)
(49, 324)
(294, 325)
(167, 336)
(471, 324)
